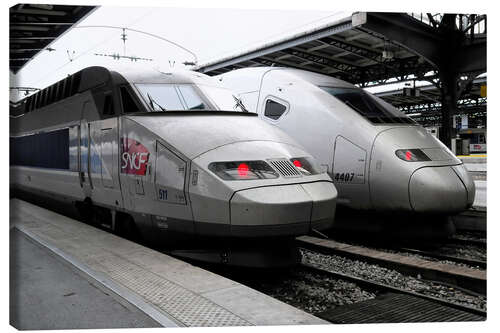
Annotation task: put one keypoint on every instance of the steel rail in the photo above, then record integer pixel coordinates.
(367, 284)
(467, 280)
(439, 256)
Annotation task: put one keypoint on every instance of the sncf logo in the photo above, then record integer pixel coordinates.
(134, 157)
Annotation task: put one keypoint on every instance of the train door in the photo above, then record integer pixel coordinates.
(170, 174)
(169, 185)
(84, 152)
(108, 144)
(105, 161)
(349, 162)
(108, 150)
(349, 173)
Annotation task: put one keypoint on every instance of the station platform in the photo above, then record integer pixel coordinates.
(473, 158)
(476, 164)
(475, 219)
(67, 274)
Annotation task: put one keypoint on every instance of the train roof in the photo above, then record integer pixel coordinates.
(96, 76)
(318, 79)
(313, 78)
(150, 75)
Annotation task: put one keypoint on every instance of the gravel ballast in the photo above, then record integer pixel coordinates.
(392, 278)
(315, 293)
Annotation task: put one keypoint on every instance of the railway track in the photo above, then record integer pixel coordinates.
(436, 255)
(463, 277)
(340, 295)
(466, 241)
(394, 305)
(473, 219)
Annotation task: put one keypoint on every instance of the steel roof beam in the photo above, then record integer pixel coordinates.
(40, 12)
(354, 37)
(270, 62)
(22, 27)
(407, 32)
(439, 46)
(45, 23)
(34, 27)
(27, 38)
(321, 61)
(319, 47)
(350, 48)
(365, 53)
(18, 50)
(33, 34)
(285, 56)
(397, 68)
(324, 56)
(267, 50)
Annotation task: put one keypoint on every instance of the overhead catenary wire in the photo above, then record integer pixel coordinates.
(142, 32)
(42, 77)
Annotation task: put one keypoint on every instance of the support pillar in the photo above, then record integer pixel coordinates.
(449, 98)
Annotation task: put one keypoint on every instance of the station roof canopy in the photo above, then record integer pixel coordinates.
(33, 28)
(352, 48)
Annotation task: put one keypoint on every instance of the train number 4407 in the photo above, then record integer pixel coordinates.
(344, 176)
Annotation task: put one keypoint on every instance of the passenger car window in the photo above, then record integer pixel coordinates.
(273, 109)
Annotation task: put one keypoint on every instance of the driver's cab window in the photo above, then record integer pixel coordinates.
(273, 109)
(191, 98)
(128, 103)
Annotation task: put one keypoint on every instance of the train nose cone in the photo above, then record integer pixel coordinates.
(438, 190)
(283, 210)
(466, 178)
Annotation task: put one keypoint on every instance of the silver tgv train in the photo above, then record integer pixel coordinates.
(105, 142)
(379, 159)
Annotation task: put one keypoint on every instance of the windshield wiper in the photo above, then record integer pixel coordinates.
(152, 102)
(239, 103)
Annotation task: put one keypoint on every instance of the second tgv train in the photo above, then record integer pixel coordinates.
(153, 150)
(379, 159)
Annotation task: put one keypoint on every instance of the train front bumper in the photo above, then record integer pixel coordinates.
(284, 210)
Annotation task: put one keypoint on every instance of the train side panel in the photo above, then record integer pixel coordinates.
(342, 148)
(154, 177)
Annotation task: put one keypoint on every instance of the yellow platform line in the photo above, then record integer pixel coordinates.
(482, 155)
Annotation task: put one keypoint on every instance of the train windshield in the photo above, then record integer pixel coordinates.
(223, 98)
(170, 97)
(179, 97)
(371, 107)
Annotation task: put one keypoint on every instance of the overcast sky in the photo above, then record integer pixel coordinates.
(209, 33)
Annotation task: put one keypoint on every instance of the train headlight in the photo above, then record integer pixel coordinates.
(305, 166)
(412, 155)
(243, 170)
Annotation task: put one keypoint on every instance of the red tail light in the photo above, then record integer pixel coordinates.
(412, 155)
(408, 155)
(305, 165)
(243, 170)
